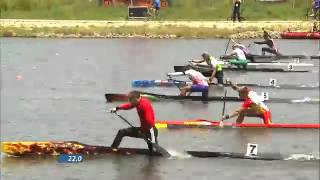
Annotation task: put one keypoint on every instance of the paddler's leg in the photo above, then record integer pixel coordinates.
(239, 63)
(234, 62)
(205, 93)
(200, 88)
(270, 50)
(153, 136)
(184, 90)
(250, 57)
(219, 76)
(246, 112)
(267, 118)
(131, 132)
(264, 51)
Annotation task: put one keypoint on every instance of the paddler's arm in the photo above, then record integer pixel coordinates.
(125, 106)
(197, 61)
(176, 74)
(228, 55)
(213, 74)
(122, 107)
(262, 42)
(234, 114)
(234, 86)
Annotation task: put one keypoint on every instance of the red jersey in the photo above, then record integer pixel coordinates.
(145, 112)
(253, 102)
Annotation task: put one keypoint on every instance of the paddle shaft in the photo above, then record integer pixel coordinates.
(124, 119)
(224, 102)
(227, 46)
(177, 85)
(223, 108)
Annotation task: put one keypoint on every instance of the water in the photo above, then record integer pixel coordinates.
(61, 97)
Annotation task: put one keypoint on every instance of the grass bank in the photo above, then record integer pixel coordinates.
(177, 10)
(146, 29)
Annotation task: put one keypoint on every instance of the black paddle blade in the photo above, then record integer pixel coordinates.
(161, 150)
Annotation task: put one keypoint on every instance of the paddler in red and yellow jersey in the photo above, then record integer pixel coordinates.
(147, 120)
(252, 106)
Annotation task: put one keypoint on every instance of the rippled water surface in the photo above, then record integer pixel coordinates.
(60, 96)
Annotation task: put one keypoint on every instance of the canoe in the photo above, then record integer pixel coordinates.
(200, 123)
(174, 83)
(263, 67)
(113, 97)
(56, 148)
(300, 35)
(272, 58)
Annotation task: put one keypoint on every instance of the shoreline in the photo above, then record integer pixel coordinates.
(145, 29)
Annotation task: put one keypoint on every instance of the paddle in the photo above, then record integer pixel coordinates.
(186, 82)
(225, 52)
(224, 107)
(159, 149)
(176, 84)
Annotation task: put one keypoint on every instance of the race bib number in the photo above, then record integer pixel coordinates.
(252, 149)
(290, 67)
(265, 96)
(273, 82)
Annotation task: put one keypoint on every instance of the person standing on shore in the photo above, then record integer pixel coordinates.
(315, 28)
(315, 8)
(236, 10)
(156, 6)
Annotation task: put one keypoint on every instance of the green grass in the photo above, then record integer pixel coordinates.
(111, 31)
(143, 31)
(178, 10)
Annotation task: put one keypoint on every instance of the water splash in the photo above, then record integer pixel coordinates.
(306, 99)
(303, 157)
(178, 155)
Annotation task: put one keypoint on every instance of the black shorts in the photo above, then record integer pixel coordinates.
(219, 76)
(135, 132)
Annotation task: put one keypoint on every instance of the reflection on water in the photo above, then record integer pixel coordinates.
(143, 169)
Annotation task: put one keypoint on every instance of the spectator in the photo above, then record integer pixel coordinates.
(315, 7)
(236, 10)
(315, 27)
(156, 6)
